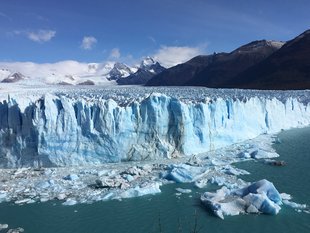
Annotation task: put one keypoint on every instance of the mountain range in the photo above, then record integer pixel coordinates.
(261, 64)
(258, 65)
(75, 73)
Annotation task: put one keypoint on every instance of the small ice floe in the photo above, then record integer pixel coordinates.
(259, 197)
(69, 202)
(180, 190)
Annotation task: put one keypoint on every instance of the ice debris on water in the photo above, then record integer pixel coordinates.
(73, 185)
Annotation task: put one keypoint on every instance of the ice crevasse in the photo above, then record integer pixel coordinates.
(57, 130)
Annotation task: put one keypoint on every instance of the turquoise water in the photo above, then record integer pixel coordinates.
(168, 212)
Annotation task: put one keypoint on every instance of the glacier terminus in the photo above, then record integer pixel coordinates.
(94, 126)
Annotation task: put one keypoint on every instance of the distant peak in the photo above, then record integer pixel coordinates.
(119, 65)
(147, 62)
(259, 44)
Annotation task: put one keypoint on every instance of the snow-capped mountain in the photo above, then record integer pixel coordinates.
(73, 72)
(146, 71)
(119, 71)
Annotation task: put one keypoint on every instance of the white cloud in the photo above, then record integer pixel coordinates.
(88, 42)
(174, 55)
(115, 53)
(40, 35)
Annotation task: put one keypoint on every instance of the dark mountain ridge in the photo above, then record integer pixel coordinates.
(213, 69)
(287, 68)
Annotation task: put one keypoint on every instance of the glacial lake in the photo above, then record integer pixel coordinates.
(167, 212)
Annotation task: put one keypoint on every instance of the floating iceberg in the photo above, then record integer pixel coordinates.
(259, 197)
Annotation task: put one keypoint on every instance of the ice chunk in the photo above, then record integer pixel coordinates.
(3, 197)
(180, 190)
(138, 191)
(201, 183)
(219, 180)
(285, 196)
(70, 202)
(72, 177)
(183, 173)
(260, 187)
(262, 203)
(23, 201)
(230, 170)
(3, 226)
(222, 203)
(129, 178)
(43, 184)
(259, 197)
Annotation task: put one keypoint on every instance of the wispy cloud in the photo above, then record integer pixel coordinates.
(41, 36)
(115, 53)
(88, 42)
(172, 55)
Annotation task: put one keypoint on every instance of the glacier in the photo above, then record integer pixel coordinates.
(73, 127)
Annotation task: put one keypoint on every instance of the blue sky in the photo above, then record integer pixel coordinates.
(126, 30)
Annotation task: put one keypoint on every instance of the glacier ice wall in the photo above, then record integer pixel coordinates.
(56, 130)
